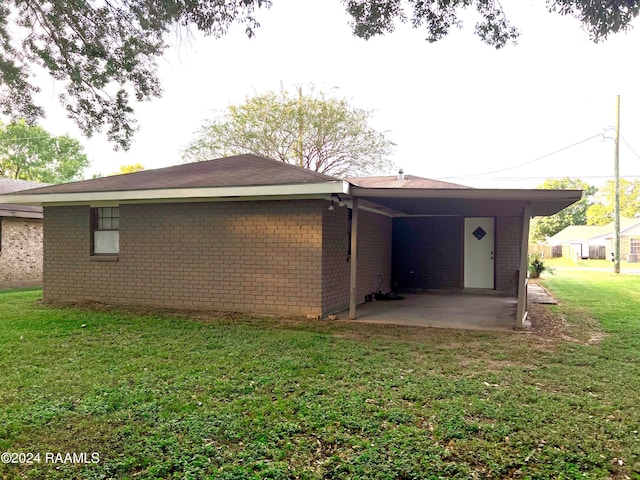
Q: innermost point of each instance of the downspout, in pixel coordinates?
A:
(521, 313)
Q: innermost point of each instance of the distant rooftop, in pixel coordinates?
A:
(9, 185)
(409, 181)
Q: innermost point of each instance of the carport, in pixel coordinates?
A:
(444, 309)
(473, 211)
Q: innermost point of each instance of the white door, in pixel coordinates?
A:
(479, 246)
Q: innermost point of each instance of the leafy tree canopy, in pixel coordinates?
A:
(320, 133)
(29, 152)
(602, 212)
(575, 214)
(135, 167)
(105, 53)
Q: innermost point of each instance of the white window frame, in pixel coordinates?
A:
(105, 230)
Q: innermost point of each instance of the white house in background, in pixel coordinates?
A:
(579, 241)
(597, 241)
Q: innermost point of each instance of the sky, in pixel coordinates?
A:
(458, 110)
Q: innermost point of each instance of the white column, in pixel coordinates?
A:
(521, 313)
(354, 261)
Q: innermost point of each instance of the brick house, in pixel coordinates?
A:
(248, 233)
(20, 239)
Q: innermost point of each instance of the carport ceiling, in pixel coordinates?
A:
(468, 202)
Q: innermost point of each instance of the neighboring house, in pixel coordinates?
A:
(629, 239)
(20, 239)
(248, 233)
(597, 241)
(579, 242)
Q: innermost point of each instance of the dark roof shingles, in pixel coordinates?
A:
(236, 171)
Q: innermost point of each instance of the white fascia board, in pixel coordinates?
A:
(171, 194)
(466, 193)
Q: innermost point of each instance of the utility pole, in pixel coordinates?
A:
(616, 203)
(300, 127)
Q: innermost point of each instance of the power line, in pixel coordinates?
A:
(531, 161)
(629, 146)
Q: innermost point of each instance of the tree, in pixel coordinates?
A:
(601, 213)
(105, 53)
(135, 167)
(327, 135)
(376, 17)
(29, 152)
(575, 214)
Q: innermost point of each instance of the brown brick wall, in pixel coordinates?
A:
(507, 253)
(21, 252)
(374, 257)
(374, 254)
(236, 256)
(280, 256)
(335, 264)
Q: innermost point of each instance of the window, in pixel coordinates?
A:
(635, 246)
(105, 234)
(0, 235)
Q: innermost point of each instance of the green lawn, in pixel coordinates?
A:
(158, 395)
(561, 262)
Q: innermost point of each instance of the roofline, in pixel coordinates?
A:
(17, 213)
(164, 194)
(466, 193)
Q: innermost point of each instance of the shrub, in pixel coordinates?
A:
(537, 266)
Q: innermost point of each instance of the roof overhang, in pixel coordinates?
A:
(468, 202)
(179, 194)
(390, 201)
(20, 211)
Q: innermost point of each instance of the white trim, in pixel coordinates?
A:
(467, 193)
(180, 194)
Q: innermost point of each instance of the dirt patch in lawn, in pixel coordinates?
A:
(554, 326)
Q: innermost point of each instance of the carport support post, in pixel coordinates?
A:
(354, 260)
(524, 268)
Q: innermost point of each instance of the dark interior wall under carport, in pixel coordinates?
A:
(428, 253)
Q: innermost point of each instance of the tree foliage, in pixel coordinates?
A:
(575, 214)
(29, 152)
(320, 133)
(602, 212)
(437, 17)
(104, 53)
(131, 168)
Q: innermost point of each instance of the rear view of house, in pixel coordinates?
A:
(248, 233)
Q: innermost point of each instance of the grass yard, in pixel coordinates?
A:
(162, 395)
(561, 262)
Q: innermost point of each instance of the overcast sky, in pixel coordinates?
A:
(458, 109)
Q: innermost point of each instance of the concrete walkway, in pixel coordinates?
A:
(538, 294)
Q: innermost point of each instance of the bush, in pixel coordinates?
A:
(537, 266)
